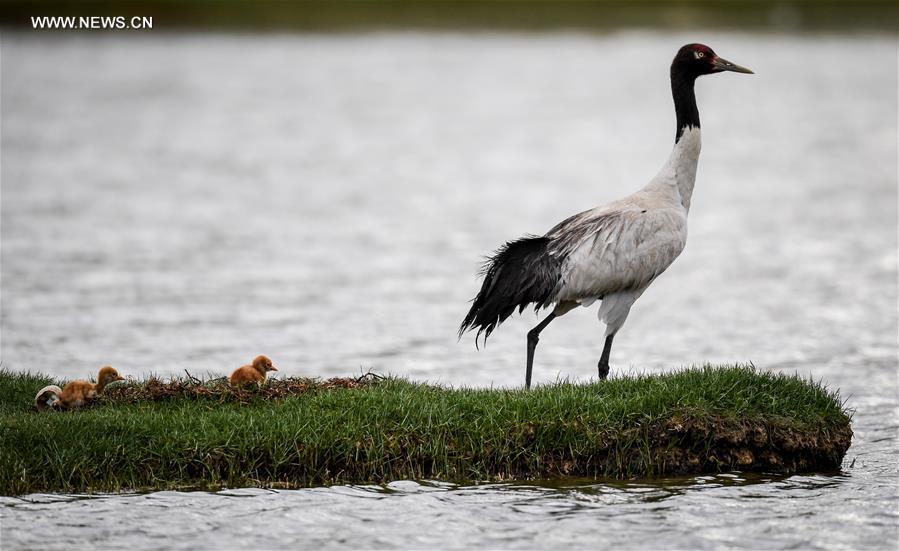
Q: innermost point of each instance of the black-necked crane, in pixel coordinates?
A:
(610, 253)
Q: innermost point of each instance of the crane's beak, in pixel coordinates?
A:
(722, 64)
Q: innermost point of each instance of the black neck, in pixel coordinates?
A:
(684, 100)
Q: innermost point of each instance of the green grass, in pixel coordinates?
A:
(695, 420)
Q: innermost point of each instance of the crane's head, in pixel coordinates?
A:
(694, 60)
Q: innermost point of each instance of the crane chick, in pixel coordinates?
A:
(254, 373)
(77, 393)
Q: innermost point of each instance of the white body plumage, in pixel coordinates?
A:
(614, 252)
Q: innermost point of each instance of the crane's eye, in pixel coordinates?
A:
(699, 55)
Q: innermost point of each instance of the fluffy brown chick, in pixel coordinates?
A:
(254, 373)
(79, 393)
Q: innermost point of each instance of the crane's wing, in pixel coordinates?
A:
(607, 250)
(591, 254)
(520, 273)
(569, 234)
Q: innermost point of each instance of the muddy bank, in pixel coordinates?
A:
(684, 444)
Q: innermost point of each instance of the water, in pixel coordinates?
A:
(750, 514)
(176, 202)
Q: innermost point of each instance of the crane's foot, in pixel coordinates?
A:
(603, 370)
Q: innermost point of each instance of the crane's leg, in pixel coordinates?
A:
(604, 359)
(533, 339)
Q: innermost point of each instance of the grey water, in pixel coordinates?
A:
(177, 201)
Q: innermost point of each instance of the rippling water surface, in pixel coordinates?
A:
(176, 201)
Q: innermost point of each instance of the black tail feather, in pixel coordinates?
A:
(520, 273)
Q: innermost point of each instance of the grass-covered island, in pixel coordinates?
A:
(300, 432)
